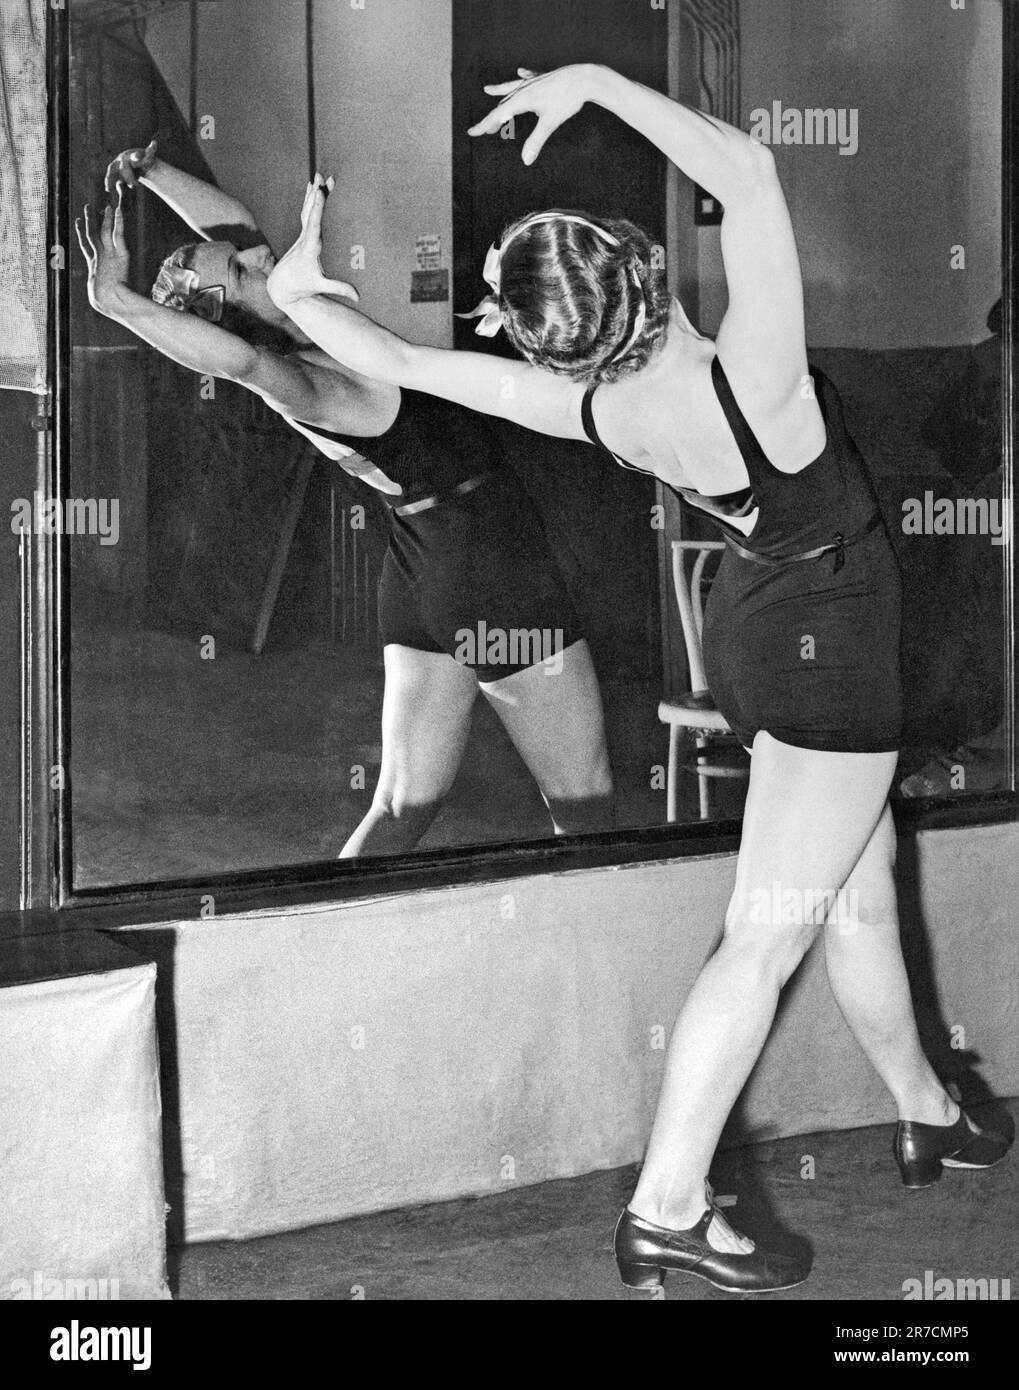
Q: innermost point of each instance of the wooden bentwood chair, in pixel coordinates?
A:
(694, 716)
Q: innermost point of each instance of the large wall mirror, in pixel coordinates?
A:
(230, 700)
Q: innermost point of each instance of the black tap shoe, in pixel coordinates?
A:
(924, 1151)
(645, 1253)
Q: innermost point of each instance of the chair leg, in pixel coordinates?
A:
(672, 785)
(705, 782)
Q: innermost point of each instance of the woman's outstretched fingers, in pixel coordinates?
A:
(118, 222)
(84, 241)
(318, 190)
(84, 226)
(523, 78)
(311, 220)
(535, 142)
(518, 99)
(118, 174)
(311, 193)
(497, 118)
(106, 229)
(299, 274)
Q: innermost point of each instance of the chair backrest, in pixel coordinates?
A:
(691, 603)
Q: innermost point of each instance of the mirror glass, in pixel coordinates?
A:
(239, 586)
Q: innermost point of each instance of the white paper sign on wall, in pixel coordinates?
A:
(429, 252)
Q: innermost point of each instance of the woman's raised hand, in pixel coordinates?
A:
(553, 97)
(299, 274)
(130, 166)
(109, 262)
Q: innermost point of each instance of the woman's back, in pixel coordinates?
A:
(719, 461)
(667, 419)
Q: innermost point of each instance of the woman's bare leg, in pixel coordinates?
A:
(868, 978)
(554, 717)
(809, 816)
(426, 720)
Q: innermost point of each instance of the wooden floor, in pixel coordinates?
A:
(840, 1192)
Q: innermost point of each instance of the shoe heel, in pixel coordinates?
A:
(640, 1276)
(920, 1172)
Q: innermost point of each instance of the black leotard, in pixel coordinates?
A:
(806, 649)
(476, 562)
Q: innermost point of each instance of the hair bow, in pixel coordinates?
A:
(488, 311)
(205, 304)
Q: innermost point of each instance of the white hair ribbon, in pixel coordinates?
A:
(190, 297)
(488, 310)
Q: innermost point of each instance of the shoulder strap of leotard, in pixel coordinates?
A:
(587, 419)
(747, 441)
(591, 430)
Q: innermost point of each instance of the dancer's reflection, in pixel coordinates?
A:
(962, 655)
(801, 636)
(470, 594)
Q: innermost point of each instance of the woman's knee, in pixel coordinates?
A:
(869, 896)
(772, 936)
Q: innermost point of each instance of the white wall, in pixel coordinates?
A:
(384, 110)
(874, 230)
(433, 1045)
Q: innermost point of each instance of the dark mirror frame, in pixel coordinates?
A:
(46, 858)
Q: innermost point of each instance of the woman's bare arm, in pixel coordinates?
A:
(713, 153)
(210, 212)
(492, 385)
(498, 386)
(291, 385)
(762, 338)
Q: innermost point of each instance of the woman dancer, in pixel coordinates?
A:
(801, 638)
(467, 561)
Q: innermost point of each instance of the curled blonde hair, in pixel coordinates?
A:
(571, 298)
